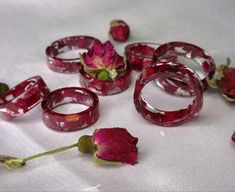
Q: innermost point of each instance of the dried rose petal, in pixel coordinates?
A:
(119, 30)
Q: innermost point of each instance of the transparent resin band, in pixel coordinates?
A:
(186, 50)
(106, 87)
(139, 55)
(168, 70)
(23, 97)
(64, 45)
(75, 121)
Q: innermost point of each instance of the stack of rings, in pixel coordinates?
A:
(159, 63)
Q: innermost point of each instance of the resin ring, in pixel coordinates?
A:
(23, 97)
(64, 45)
(139, 55)
(106, 87)
(186, 50)
(168, 70)
(75, 121)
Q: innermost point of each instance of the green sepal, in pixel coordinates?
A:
(12, 162)
(86, 145)
(113, 73)
(104, 162)
(219, 74)
(3, 88)
(103, 75)
(114, 23)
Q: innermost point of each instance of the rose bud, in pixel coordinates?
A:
(102, 61)
(227, 83)
(119, 30)
(224, 79)
(110, 146)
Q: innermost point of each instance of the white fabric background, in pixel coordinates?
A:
(197, 156)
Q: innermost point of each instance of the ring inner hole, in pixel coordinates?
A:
(157, 98)
(70, 52)
(74, 103)
(190, 63)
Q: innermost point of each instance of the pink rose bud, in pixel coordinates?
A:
(103, 61)
(224, 79)
(119, 30)
(110, 146)
(227, 83)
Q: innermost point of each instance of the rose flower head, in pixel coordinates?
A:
(119, 30)
(227, 83)
(102, 61)
(224, 79)
(110, 146)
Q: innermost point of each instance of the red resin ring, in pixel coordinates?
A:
(23, 97)
(186, 50)
(139, 55)
(64, 45)
(106, 87)
(168, 70)
(75, 121)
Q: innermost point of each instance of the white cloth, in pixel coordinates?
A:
(197, 156)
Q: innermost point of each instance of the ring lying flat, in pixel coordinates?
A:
(75, 121)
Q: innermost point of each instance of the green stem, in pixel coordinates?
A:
(59, 150)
